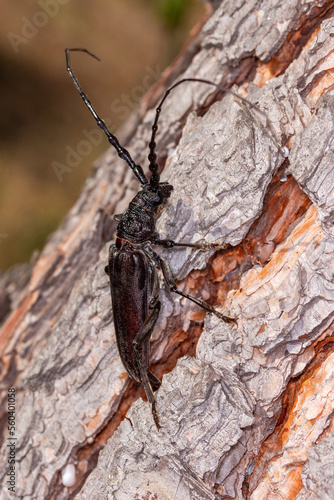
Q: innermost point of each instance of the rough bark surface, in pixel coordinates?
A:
(246, 409)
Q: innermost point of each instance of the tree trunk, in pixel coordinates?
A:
(246, 409)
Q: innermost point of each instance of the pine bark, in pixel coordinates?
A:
(246, 409)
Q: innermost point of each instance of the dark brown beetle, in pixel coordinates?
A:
(133, 264)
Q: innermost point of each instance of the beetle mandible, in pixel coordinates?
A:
(133, 264)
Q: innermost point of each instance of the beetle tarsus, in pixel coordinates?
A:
(227, 319)
(155, 416)
(196, 246)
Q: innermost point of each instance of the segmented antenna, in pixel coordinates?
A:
(152, 157)
(153, 166)
(122, 152)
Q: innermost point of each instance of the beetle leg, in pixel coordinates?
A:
(142, 335)
(170, 280)
(198, 246)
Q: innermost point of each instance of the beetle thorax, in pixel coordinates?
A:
(137, 224)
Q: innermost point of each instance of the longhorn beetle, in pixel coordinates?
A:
(132, 266)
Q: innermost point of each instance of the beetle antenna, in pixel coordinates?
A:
(122, 152)
(153, 166)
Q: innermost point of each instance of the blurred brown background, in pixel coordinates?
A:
(42, 118)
